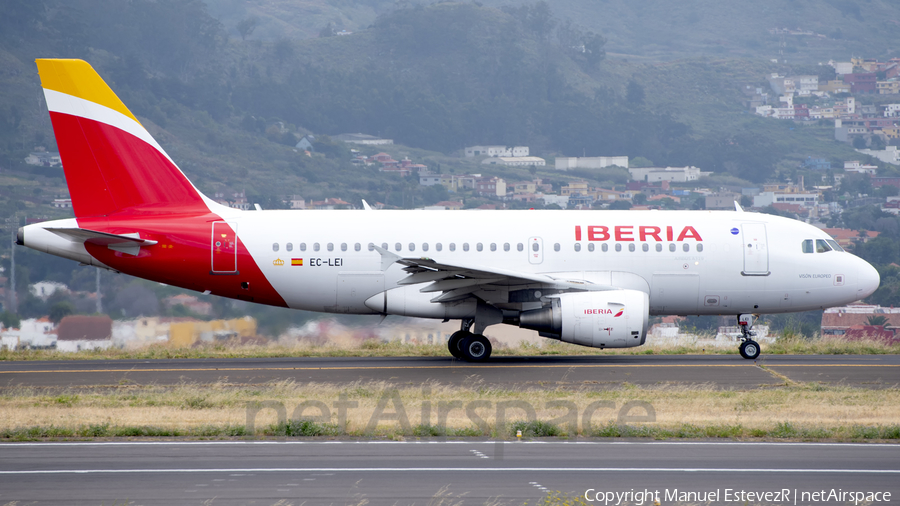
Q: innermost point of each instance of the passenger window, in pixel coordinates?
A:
(591, 247)
(465, 246)
(275, 247)
(330, 246)
(556, 247)
(645, 247)
(535, 247)
(289, 247)
(618, 247)
(699, 247)
(384, 246)
(658, 247)
(834, 245)
(398, 246)
(424, 246)
(808, 246)
(605, 247)
(520, 247)
(685, 247)
(822, 246)
(315, 246)
(506, 246)
(577, 246)
(343, 246)
(438, 246)
(631, 247)
(493, 246)
(452, 246)
(672, 246)
(412, 246)
(479, 247)
(302, 246)
(357, 247)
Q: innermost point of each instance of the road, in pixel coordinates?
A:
(462, 472)
(722, 371)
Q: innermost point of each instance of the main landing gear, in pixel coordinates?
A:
(468, 346)
(749, 347)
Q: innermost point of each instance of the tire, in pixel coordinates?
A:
(453, 344)
(750, 349)
(475, 348)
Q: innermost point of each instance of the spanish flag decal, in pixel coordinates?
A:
(296, 261)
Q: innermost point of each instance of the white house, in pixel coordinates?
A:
(674, 174)
(44, 289)
(364, 139)
(590, 162)
(33, 333)
(560, 200)
(768, 198)
(890, 154)
(496, 151)
(515, 161)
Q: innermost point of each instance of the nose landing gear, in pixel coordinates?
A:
(749, 348)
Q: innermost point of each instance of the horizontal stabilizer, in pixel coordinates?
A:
(126, 243)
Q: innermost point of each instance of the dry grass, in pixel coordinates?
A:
(788, 411)
(793, 344)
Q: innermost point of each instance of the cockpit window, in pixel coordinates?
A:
(822, 246)
(834, 245)
(808, 246)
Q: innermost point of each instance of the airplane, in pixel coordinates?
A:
(591, 278)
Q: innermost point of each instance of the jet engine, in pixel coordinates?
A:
(609, 319)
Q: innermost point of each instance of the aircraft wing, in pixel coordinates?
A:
(126, 243)
(459, 280)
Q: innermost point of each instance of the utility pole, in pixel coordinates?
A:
(99, 302)
(13, 300)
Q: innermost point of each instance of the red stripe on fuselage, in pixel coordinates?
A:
(110, 170)
(182, 256)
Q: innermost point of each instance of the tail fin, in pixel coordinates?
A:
(111, 162)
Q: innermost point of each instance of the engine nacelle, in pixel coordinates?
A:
(611, 319)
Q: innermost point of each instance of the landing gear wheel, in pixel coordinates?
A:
(750, 349)
(454, 343)
(475, 348)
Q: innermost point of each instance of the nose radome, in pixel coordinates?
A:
(868, 279)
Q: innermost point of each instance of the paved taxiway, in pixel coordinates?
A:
(474, 472)
(722, 371)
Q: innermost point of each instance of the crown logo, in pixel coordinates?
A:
(278, 262)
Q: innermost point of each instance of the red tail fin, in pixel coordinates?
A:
(111, 162)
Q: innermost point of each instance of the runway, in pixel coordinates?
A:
(461, 472)
(719, 371)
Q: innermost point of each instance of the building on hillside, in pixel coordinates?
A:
(429, 178)
(765, 199)
(888, 87)
(722, 200)
(559, 200)
(446, 205)
(330, 203)
(83, 332)
(816, 163)
(496, 151)
(364, 139)
(33, 333)
(847, 237)
(296, 202)
(44, 289)
(590, 162)
(889, 154)
(859, 168)
(862, 82)
(306, 143)
(856, 321)
(44, 159)
(515, 161)
(491, 187)
(673, 174)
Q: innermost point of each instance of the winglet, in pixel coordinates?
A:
(366, 205)
(737, 207)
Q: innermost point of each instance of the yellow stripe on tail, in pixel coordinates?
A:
(79, 79)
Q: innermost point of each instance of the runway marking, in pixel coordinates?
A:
(453, 469)
(893, 446)
(364, 368)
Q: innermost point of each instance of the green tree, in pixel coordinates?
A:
(877, 320)
(60, 310)
(10, 320)
(246, 26)
(634, 93)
